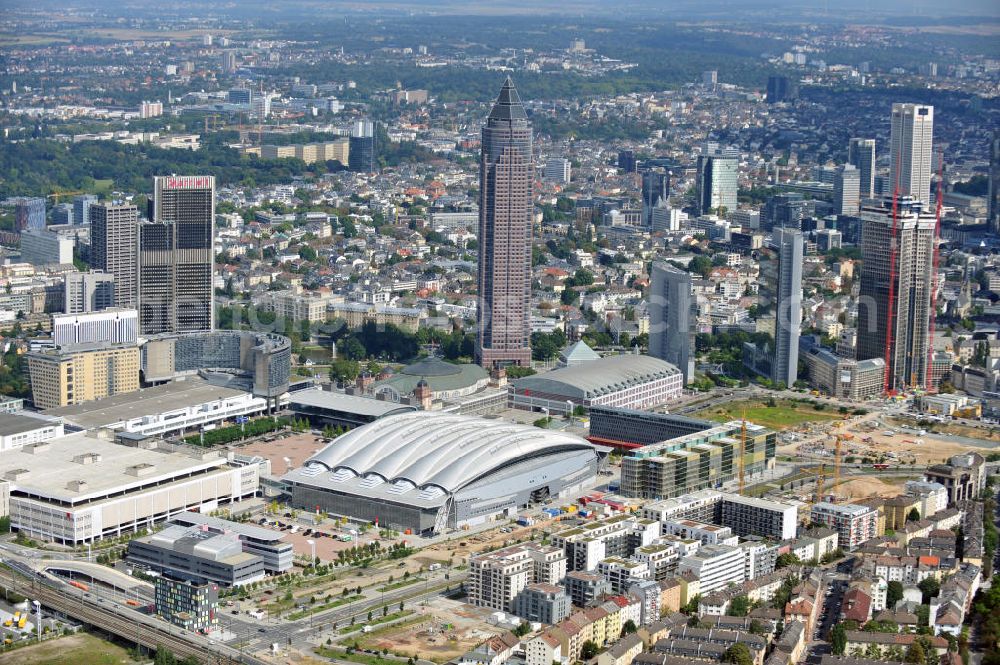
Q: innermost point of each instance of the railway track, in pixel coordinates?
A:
(126, 623)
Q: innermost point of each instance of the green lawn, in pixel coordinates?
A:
(398, 584)
(322, 607)
(783, 415)
(376, 620)
(363, 658)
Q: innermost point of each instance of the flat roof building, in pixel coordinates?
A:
(78, 488)
(197, 554)
(853, 523)
(323, 408)
(747, 515)
(164, 409)
(267, 544)
(17, 430)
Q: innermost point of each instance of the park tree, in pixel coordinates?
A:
(913, 515)
(739, 606)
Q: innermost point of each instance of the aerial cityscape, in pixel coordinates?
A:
(424, 332)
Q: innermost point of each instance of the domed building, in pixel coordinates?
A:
(447, 381)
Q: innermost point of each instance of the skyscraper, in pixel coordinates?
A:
(626, 161)
(81, 209)
(910, 147)
(176, 257)
(994, 183)
(788, 306)
(861, 154)
(846, 190)
(671, 318)
(895, 300)
(655, 188)
(361, 152)
(717, 180)
(781, 89)
(114, 245)
(29, 213)
(506, 173)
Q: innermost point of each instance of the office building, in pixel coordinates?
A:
(627, 161)
(65, 376)
(196, 554)
(81, 209)
(259, 363)
(910, 151)
(267, 544)
(40, 247)
(114, 244)
(176, 255)
(497, 578)
(750, 516)
(784, 210)
(78, 489)
(629, 428)
(861, 155)
(788, 306)
(717, 182)
(672, 317)
(114, 326)
(842, 377)
(853, 523)
(29, 213)
(242, 96)
(361, 147)
(895, 298)
(695, 461)
(827, 239)
(542, 603)
(190, 605)
(847, 190)
(558, 170)
(781, 89)
(710, 79)
(655, 188)
(506, 180)
(88, 292)
(964, 476)
(994, 184)
(716, 566)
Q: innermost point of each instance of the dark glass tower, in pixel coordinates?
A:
(176, 257)
(506, 179)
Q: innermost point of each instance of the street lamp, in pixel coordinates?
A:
(312, 548)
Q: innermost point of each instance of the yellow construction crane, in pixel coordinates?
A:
(836, 463)
(55, 195)
(820, 478)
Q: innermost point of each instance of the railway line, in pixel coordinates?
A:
(125, 622)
